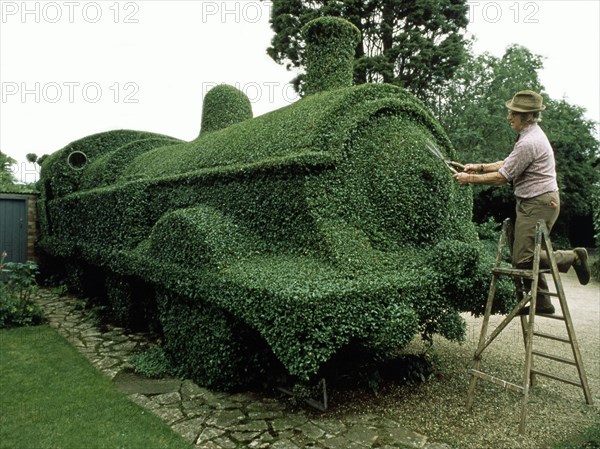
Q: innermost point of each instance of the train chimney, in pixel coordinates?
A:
(330, 47)
(223, 106)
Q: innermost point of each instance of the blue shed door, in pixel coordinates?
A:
(13, 229)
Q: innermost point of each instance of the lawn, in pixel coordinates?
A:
(51, 397)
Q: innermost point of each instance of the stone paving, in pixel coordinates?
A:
(216, 420)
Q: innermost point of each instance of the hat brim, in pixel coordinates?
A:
(509, 105)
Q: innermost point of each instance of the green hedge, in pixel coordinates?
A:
(323, 224)
(331, 43)
(58, 178)
(223, 106)
(106, 169)
(209, 344)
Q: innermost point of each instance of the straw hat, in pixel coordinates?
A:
(526, 101)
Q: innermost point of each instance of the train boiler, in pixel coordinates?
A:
(277, 240)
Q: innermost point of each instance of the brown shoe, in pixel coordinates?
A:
(546, 309)
(544, 306)
(582, 267)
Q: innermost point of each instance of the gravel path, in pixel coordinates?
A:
(555, 409)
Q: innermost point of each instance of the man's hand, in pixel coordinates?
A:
(473, 168)
(463, 178)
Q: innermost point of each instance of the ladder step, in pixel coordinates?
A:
(552, 317)
(503, 383)
(551, 337)
(513, 272)
(548, 315)
(556, 358)
(547, 293)
(517, 272)
(555, 377)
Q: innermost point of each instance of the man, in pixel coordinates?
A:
(530, 168)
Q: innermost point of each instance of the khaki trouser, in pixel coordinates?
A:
(544, 207)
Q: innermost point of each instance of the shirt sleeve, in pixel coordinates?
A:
(517, 161)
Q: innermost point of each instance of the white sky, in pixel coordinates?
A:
(69, 69)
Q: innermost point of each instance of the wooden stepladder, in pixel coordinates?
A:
(542, 243)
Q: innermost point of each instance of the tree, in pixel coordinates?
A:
(577, 159)
(31, 157)
(6, 176)
(471, 107)
(415, 44)
(8, 183)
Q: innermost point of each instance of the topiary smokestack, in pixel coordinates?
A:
(223, 106)
(330, 46)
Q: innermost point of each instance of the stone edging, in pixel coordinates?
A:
(215, 420)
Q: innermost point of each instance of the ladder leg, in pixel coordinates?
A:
(482, 338)
(486, 317)
(530, 327)
(524, 324)
(568, 322)
(579, 362)
(524, 409)
(472, 387)
(574, 346)
(528, 363)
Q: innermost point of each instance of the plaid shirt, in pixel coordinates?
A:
(530, 166)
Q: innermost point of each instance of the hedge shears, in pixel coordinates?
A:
(452, 165)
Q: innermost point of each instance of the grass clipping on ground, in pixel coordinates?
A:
(53, 398)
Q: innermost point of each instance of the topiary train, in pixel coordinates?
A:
(324, 224)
